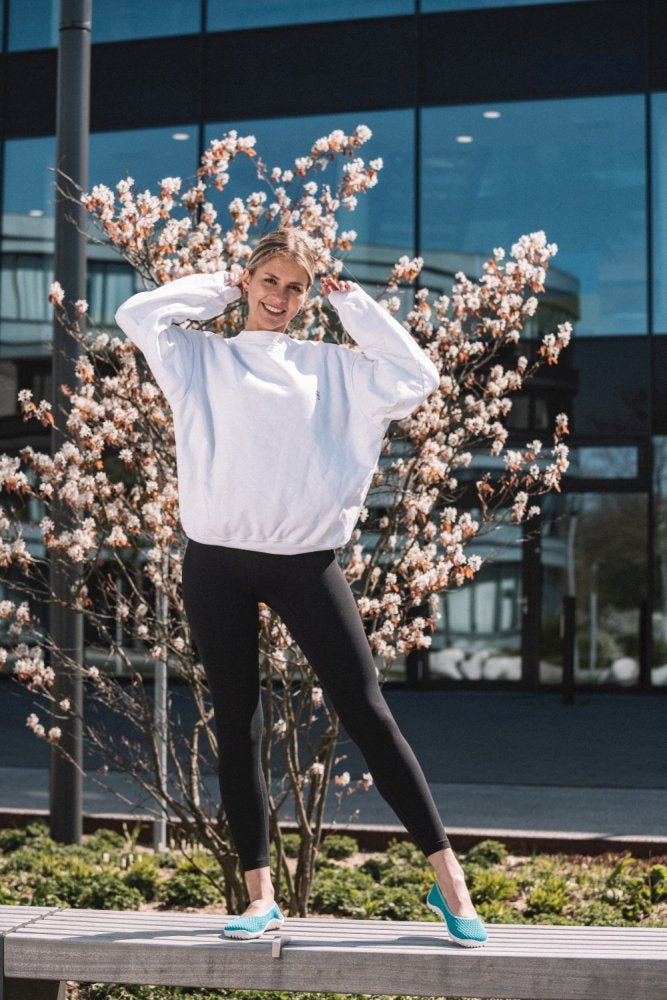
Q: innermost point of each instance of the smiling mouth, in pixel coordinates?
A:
(273, 312)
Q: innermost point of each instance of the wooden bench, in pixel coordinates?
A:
(44, 947)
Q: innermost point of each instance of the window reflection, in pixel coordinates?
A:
(147, 155)
(659, 672)
(659, 157)
(612, 462)
(28, 182)
(433, 5)
(383, 217)
(34, 25)
(26, 271)
(574, 168)
(594, 549)
(225, 16)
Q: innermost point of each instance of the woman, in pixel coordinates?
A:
(277, 440)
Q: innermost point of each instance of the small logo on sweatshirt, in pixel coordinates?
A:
(317, 393)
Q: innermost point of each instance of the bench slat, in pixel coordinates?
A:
(10, 916)
(539, 962)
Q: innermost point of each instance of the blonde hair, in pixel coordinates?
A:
(292, 243)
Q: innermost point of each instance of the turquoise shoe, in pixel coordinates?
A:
(254, 926)
(468, 931)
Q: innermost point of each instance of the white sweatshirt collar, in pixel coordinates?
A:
(263, 336)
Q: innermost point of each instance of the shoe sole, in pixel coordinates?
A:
(466, 942)
(271, 925)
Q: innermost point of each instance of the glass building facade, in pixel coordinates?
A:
(493, 119)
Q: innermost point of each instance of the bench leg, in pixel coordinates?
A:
(33, 989)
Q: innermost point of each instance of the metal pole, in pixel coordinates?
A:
(66, 627)
(593, 624)
(160, 709)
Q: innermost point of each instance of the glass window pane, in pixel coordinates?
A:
(28, 181)
(612, 386)
(34, 25)
(659, 671)
(225, 16)
(432, 5)
(594, 548)
(27, 246)
(147, 155)
(659, 158)
(383, 218)
(28, 201)
(617, 462)
(574, 168)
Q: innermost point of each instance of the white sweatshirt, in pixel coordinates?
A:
(277, 439)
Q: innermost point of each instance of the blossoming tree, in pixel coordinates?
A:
(117, 473)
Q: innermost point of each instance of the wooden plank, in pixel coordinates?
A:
(548, 962)
(11, 919)
(12, 915)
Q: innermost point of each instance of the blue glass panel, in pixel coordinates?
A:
(34, 25)
(147, 155)
(222, 15)
(659, 165)
(383, 218)
(617, 462)
(432, 5)
(574, 168)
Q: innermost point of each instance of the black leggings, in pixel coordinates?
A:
(309, 591)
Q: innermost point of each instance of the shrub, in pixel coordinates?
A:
(339, 846)
(657, 880)
(14, 837)
(143, 875)
(598, 913)
(549, 895)
(486, 853)
(394, 903)
(291, 844)
(486, 885)
(341, 891)
(186, 888)
(629, 889)
(108, 891)
(405, 852)
(377, 868)
(93, 890)
(105, 841)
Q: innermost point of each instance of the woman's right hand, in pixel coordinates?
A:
(232, 282)
(330, 283)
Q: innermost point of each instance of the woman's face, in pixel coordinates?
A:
(276, 292)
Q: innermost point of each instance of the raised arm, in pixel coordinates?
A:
(392, 375)
(148, 319)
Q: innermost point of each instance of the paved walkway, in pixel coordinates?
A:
(496, 761)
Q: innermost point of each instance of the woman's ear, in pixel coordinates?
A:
(245, 278)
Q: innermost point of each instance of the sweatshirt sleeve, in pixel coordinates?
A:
(148, 319)
(391, 375)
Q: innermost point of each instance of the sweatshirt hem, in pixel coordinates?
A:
(269, 547)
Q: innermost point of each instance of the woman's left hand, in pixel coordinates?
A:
(330, 283)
